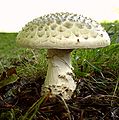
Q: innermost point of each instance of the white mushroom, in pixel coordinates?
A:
(60, 33)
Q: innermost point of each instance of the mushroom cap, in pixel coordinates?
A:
(63, 31)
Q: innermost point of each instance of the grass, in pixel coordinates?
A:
(99, 69)
(26, 60)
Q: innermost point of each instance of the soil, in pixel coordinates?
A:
(92, 99)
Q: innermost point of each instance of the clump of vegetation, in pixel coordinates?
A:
(22, 72)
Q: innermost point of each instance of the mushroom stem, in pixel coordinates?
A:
(59, 79)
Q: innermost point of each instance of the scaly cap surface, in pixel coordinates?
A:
(63, 31)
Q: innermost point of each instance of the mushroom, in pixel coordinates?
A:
(60, 33)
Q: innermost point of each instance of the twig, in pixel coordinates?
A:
(66, 106)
